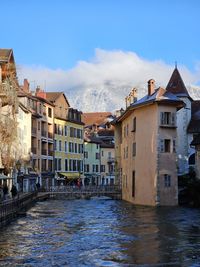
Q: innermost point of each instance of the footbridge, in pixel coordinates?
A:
(73, 192)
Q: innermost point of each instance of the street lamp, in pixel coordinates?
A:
(18, 167)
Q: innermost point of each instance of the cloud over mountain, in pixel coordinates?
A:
(102, 83)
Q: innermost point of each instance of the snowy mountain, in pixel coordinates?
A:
(109, 97)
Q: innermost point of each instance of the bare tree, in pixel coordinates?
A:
(8, 121)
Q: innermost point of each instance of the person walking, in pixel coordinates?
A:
(13, 191)
(5, 191)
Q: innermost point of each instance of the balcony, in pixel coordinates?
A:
(111, 160)
(34, 150)
(50, 135)
(44, 133)
(50, 153)
(168, 125)
(34, 130)
(44, 152)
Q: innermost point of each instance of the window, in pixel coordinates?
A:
(167, 118)
(124, 131)
(75, 147)
(70, 146)
(55, 144)
(65, 130)
(165, 145)
(134, 125)
(75, 132)
(49, 112)
(60, 129)
(86, 155)
(86, 167)
(109, 155)
(97, 146)
(93, 167)
(78, 165)
(59, 164)
(127, 152)
(134, 149)
(56, 164)
(80, 148)
(127, 130)
(65, 146)
(60, 145)
(97, 156)
(102, 168)
(74, 165)
(133, 183)
(174, 146)
(70, 164)
(71, 132)
(102, 153)
(97, 168)
(66, 165)
(167, 180)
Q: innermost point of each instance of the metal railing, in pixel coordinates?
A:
(10, 207)
(83, 189)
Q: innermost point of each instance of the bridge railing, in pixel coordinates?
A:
(82, 189)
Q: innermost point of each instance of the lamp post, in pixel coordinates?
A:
(18, 166)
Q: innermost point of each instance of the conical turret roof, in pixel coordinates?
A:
(176, 85)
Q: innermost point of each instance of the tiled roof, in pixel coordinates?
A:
(53, 96)
(92, 139)
(106, 132)
(176, 85)
(159, 96)
(107, 145)
(5, 54)
(95, 117)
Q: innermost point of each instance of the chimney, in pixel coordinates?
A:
(151, 87)
(126, 101)
(26, 86)
(40, 93)
(133, 95)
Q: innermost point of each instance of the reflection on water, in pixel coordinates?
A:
(102, 233)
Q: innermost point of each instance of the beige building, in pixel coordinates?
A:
(145, 138)
(42, 126)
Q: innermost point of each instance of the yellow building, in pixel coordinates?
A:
(68, 140)
(146, 149)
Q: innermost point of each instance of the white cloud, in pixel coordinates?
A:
(103, 82)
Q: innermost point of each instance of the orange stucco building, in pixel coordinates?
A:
(145, 143)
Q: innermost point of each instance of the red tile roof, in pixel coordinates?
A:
(5, 54)
(53, 96)
(95, 117)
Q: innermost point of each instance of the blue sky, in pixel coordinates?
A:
(97, 50)
(58, 34)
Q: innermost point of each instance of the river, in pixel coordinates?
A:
(101, 232)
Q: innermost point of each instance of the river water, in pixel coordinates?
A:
(101, 232)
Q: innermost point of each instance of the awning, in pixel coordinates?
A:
(70, 175)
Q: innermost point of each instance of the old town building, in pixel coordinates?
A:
(146, 141)
(68, 140)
